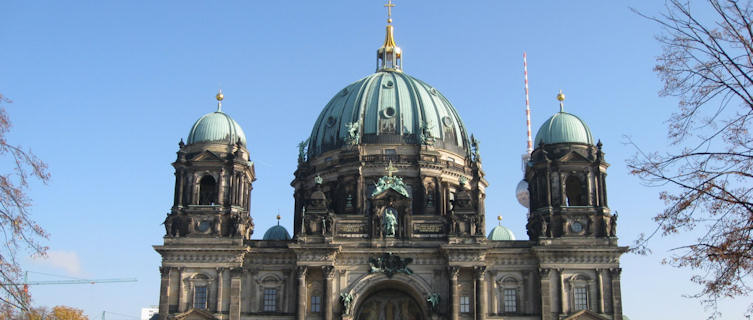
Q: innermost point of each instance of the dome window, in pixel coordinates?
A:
(433, 91)
(388, 112)
(447, 121)
(207, 191)
(331, 121)
(389, 84)
(344, 92)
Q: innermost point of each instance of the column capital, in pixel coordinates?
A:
(328, 271)
(479, 272)
(300, 271)
(454, 271)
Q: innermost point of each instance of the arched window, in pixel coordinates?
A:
(509, 290)
(207, 190)
(200, 283)
(574, 191)
(580, 286)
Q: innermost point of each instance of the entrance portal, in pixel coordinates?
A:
(389, 304)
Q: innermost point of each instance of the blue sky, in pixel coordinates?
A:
(104, 90)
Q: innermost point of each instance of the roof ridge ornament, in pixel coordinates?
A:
(389, 55)
(561, 99)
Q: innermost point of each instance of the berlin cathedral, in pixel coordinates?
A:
(389, 219)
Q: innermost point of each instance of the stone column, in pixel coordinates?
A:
(235, 293)
(496, 294)
(221, 288)
(301, 275)
(604, 292)
(454, 293)
(546, 295)
(480, 293)
(173, 291)
(163, 289)
(221, 187)
(564, 297)
(329, 290)
(616, 294)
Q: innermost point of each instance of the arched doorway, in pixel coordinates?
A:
(389, 304)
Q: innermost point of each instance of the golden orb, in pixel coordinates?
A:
(220, 96)
(389, 20)
(499, 218)
(278, 217)
(561, 96)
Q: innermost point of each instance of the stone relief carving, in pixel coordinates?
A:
(389, 264)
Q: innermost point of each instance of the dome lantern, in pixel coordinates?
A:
(389, 55)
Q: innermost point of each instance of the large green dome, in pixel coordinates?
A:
(216, 127)
(564, 127)
(389, 107)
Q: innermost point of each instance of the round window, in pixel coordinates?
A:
(388, 84)
(576, 227)
(433, 91)
(447, 121)
(203, 226)
(331, 121)
(388, 112)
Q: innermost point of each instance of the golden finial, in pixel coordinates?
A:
(499, 218)
(278, 218)
(389, 6)
(219, 97)
(561, 98)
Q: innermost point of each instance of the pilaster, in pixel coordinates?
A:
(301, 310)
(454, 272)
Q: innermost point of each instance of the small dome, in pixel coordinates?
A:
(277, 232)
(564, 127)
(388, 107)
(501, 233)
(216, 127)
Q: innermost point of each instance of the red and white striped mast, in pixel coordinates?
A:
(528, 105)
(521, 191)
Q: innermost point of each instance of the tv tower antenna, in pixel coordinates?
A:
(521, 191)
(528, 104)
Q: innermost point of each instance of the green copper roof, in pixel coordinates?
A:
(216, 127)
(388, 107)
(501, 233)
(277, 232)
(563, 127)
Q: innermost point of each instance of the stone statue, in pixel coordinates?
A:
(346, 299)
(168, 224)
(424, 135)
(389, 222)
(302, 151)
(433, 300)
(475, 148)
(352, 138)
(613, 225)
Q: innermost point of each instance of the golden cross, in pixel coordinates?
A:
(389, 6)
(390, 169)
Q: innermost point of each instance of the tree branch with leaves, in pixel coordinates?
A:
(18, 230)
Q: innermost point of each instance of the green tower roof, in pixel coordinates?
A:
(501, 233)
(277, 232)
(564, 127)
(216, 127)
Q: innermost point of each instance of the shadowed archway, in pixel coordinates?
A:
(389, 304)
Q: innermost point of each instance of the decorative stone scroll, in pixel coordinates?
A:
(389, 264)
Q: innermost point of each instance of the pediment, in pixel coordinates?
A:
(389, 193)
(206, 156)
(195, 314)
(585, 315)
(573, 156)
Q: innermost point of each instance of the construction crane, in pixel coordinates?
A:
(28, 283)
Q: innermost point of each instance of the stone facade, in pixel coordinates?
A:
(389, 221)
(341, 258)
